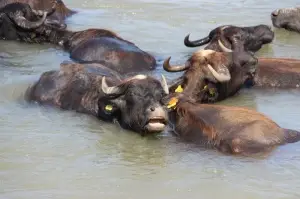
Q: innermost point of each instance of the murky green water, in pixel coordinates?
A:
(48, 153)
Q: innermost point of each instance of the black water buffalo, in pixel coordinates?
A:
(60, 14)
(101, 46)
(19, 22)
(91, 45)
(233, 130)
(93, 89)
(236, 38)
(287, 18)
(277, 72)
(211, 76)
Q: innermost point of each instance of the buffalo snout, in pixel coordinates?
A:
(156, 119)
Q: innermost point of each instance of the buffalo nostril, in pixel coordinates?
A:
(152, 108)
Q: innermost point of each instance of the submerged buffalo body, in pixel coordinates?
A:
(287, 18)
(60, 14)
(19, 21)
(233, 130)
(212, 76)
(96, 90)
(277, 72)
(102, 46)
(236, 38)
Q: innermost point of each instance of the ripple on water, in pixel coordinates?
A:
(47, 152)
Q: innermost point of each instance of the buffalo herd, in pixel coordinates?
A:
(107, 78)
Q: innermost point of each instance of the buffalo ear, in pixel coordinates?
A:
(107, 110)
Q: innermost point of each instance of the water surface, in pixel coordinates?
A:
(49, 153)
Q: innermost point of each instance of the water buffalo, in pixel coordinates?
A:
(237, 38)
(135, 103)
(277, 72)
(60, 14)
(212, 76)
(91, 45)
(287, 18)
(19, 22)
(101, 46)
(233, 130)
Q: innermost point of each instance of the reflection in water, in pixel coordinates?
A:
(47, 152)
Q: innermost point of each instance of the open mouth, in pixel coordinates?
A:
(156, 124)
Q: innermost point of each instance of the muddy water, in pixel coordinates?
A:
(48, 153)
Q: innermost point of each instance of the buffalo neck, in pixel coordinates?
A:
(193, 85)
(61, 37)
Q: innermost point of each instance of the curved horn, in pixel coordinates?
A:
(196, 43)
(136, 77)
(221, 77)
(170, 68)
(24, 23)
(224, 49)
(110, 90)
(164, 84)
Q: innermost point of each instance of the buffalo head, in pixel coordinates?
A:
(18, 20)
(236, 38)
(212, 76)
(136, 103)
(287, 18)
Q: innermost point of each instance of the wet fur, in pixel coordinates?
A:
(102, 46)
(277, 72)
(61, 13)
(248, 38)
(233, 130)
(287, 18)
(77, 87)
(195, 77)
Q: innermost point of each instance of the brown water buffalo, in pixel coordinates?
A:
(135, 103)
(277, 72)
(236, 38)
(212, 76)
(233, 130)
(287, 18)
(19, 22)
(60, 14)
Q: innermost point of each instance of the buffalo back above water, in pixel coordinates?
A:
(119, 55)
(277, 72)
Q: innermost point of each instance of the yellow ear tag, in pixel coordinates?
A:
(108, 107)
(179, 89)
(173, 101)
(211, 91)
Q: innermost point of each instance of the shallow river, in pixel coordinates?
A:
(47, 153)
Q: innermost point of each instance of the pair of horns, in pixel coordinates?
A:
(224, 76)
(118, 90)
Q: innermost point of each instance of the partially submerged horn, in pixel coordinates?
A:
(110, 90)
(177, 68)
(24, 23)
(221, 77)
(196, 43)
(164, 84)
(224, 49)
